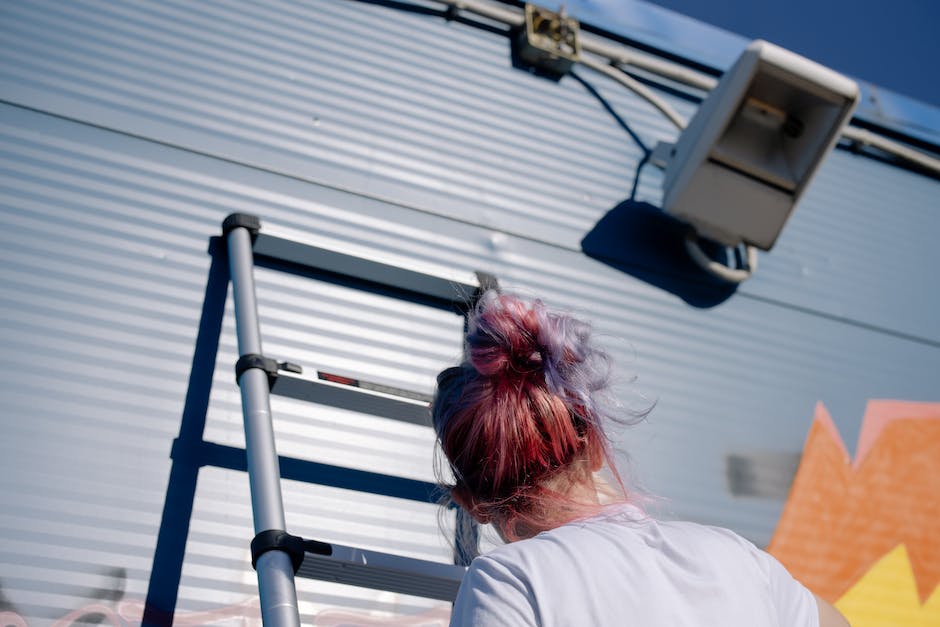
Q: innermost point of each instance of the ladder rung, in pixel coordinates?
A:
(353, 398)
(384, 571)
(309, 256)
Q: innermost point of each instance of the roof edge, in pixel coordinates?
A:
(713, 50)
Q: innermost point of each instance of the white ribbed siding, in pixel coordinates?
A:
(128, 131)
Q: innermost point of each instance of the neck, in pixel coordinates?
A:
(569, 495)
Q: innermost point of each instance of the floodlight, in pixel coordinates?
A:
(741, 165)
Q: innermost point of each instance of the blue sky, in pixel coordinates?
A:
(895, 45)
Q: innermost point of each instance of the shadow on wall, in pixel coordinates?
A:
(639, 239)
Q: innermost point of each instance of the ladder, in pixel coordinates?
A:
(278, 556)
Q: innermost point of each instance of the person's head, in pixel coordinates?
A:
(521, 419)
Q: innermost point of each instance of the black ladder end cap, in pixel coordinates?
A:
(241, 220)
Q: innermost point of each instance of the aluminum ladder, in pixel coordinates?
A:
(277, 555)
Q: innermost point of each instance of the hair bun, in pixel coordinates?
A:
(503, 338)
(513, 338)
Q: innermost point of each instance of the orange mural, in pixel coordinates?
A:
(848, 525)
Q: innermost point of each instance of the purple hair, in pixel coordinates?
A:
(524, 409)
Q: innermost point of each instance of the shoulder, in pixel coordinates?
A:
(709, 540)
(494, 591)
(793, 603)
(515, 583)
(523, 559)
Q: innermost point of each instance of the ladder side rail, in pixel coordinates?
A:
(278, 595)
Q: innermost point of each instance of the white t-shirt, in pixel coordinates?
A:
(622, 568)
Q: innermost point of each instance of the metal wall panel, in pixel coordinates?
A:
(860, 248)
(130, 131)
(104, 266)
(431, 115)
(104, 271)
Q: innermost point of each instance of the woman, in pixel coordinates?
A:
(522, 424)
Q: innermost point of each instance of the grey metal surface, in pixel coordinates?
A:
(432, 287)
(278, 596)
(433, 154)
(384, 571)
(761, 474)
(408, 118)
(104, 268)
(253, 383)
(354, 399)
(860, 248)
(431, 115)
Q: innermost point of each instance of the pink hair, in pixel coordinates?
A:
(521, 412)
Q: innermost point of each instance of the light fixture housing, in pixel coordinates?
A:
(739, 168)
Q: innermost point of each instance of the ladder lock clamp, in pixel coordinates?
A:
(269, 365)
(294, 546)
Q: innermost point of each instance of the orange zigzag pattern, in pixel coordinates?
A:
(841, 518)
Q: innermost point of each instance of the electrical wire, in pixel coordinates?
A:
(636, 87)
(620, 55)
(867, 138)
(718, 270)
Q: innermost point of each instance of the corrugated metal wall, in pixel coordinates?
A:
(129, 130)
